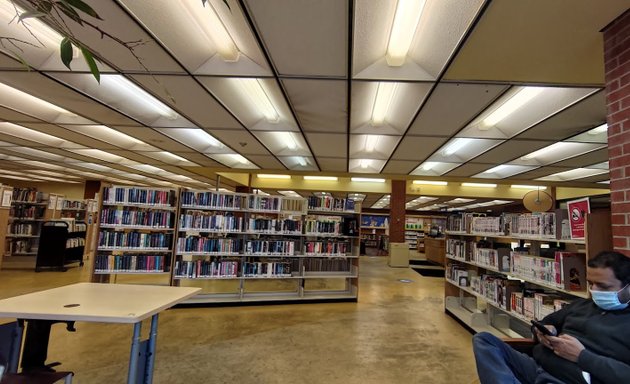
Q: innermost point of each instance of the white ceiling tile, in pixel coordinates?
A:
(328, 144)
(304, 37)
(383, 146)
(266, 162)
(241, 141)
(576, 119)
(597, 156)
(320, 105)
(199, 54)
(451, 106)
(510, 150)
(231, 93)
(418, 148)
(467, 170)
(467, 149)
(153, 137)
(401, 167)
(404, 104)
(284, 143)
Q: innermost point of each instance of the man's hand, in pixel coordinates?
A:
(565, 346)
(542, 338)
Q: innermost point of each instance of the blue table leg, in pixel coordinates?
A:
(148, 376)
(135, 353)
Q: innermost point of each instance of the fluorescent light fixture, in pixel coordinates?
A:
(34, 25)
(239, 158)
(127, 89)
(259, 99)
(548, 149)
(382, 101)
(406, 21)
(289, 193)
(212, 26)
(98, 154)
(107, 134)
(193, 136)
(147, 168)
(365, 163)
(604, 182)
(94, 167)
(597, 130)
(30, 134)
(321, 178)
(459, 200)
(302, 162)
(272, 176)
(17, 177)
(515, 102)
(479, 185)
(356, 196)
(50, 173)
(173, 156)
(427, 166)
(535, 187)
(429, 182)
(367, 180)
(288, 139)
(496, 169)
(23, 98)
(260, 192)
(370, 142)
(455, 145)
(574, 174)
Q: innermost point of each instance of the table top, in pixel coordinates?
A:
(96, 302)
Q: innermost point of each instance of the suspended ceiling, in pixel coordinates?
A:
(320, 64)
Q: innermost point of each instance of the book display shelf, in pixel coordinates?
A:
(504, 271)
(26, 215)
(246, 248)
(136, 231)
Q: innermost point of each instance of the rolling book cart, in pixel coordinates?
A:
(61, 242)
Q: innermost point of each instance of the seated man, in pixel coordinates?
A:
(593, 341)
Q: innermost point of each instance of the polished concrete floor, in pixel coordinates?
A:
(396, 333)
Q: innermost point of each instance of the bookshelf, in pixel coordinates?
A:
(499, 275)
(6, 195)
(26, 215)
(135, 234)
(252, 248)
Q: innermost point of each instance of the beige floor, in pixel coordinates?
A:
(396, 333)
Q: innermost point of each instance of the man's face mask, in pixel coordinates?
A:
(608, 300)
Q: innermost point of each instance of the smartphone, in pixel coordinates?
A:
(541, 327)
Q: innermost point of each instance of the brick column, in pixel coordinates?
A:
(617, 66)
(397, 202)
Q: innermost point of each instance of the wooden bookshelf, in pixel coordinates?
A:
(132, 221)
(477, 271)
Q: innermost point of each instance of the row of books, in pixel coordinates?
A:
(215, 267)
(139, 217)
(541, 224)
(487, 224)
(131, 263)
(75, 242)
(209, 245)
(274, 225)
(27, 212)
(134, 195)
(211, 221)
(327, 265)
(566, 270)
(265, 247)
(212, 200)
(73, 204)
(537, 224)
(20, 246)
(109, 239)
(323, 224)
(338, 248)
(263, 203)
(329, 203)
(23, 229)
(27, 194)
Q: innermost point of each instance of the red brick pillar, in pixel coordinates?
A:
(617, 66)
(397, 202)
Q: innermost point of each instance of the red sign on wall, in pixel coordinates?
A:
(577, 216)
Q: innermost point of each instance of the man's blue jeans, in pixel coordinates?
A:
(498, 363)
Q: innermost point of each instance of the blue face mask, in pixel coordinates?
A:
(608, 300)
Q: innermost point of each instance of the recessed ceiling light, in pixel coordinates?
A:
(367, 180)
(479, 185)
(512, 104)
(321, 178)
(429, 182)
(406, 20)
(535, 187)
(272, 176)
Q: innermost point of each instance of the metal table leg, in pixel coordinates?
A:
(148, 375)
(16, 346)
(135, 353)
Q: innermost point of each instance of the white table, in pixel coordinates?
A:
(103, 303)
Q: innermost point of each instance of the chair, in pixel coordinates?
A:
(10, 343)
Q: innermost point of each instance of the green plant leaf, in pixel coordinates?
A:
(89, 59)
(69, 11)
(44, 6)
(83, 7)
(30, 14)
(65, 50)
